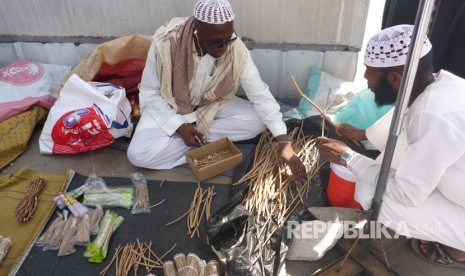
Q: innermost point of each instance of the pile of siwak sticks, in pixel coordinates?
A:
(200, 207)
(272, 195)
(132, 255)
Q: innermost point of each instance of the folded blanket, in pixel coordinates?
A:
(16, 131)
(13, 188)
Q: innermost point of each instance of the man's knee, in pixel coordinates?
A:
(137, 155)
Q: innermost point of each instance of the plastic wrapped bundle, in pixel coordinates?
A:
(5, 244)
(97, 250)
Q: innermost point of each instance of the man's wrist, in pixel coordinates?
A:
(179, 127)
(346, 156)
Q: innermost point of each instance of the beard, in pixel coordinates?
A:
(384, 94)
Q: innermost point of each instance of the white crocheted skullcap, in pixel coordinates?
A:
(390, 47)
(213, 11)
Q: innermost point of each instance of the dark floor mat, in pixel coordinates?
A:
(145, 227)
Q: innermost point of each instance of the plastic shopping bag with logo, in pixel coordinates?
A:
(86, 116)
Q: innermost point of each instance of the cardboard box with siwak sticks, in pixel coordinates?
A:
(213, 159)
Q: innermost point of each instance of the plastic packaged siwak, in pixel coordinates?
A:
(141, 202)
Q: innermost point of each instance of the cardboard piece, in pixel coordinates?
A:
(223, 162)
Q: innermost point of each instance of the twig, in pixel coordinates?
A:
(155, 205)
(183, 215)
(384, 254)
(115, 255)
(311, 102)
(167, 252)
(348, 254)
(326, 111)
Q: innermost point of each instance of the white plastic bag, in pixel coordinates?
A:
(85, 117)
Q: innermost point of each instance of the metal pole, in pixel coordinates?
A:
(422, 20)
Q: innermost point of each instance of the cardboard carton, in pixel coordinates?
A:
(213, 159)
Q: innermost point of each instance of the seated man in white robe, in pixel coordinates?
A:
(424, 196)
(187, 92)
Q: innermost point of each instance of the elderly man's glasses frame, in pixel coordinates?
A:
(219, 43)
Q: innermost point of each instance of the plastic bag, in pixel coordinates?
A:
(141, 199)
(362, 111)
(53, 243)
(110, 197)
(119, 61)
(96, 251)
(45, 237)
(95, 218)
(305, 107)
(83, 231)
(326, 91)
(98, 194)
(126, 73)
(87, 116)
(5, 244)
(67, 245)
(232, 232)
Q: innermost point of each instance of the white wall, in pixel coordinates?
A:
(373, 26)
(287, 36)
(327, 22)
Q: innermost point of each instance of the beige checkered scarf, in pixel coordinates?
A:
(176, 69)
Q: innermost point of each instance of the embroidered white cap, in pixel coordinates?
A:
(390, 47)
(213, 11)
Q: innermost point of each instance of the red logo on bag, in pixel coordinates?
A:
(81, 130)
(22, 72)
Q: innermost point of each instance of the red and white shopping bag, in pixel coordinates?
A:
(86, 116)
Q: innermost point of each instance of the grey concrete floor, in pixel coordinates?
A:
(113, 162)
(106, 161)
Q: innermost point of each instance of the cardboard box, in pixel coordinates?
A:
(222, 155)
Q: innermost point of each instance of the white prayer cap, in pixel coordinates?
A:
(213, 11)
(390, 47)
